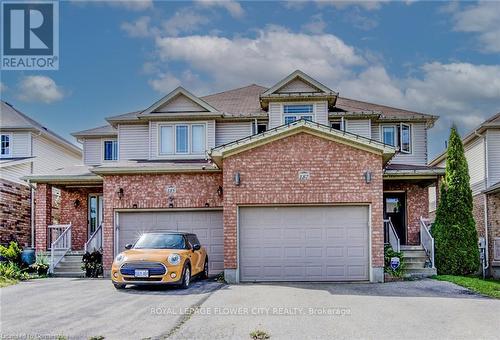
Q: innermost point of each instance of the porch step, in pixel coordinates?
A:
(70, 265)
(419, 273)
(72, 258)
(69, 274)
(415, 265)
(414, 253)
(407, 247)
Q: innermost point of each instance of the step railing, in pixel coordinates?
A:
(391, 235)
(426, 239)
(95, 240)
(60, 247)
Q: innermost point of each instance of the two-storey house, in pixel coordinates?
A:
(27, 147)
(288, 183)
(482, 150)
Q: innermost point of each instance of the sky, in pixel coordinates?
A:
(441, 58)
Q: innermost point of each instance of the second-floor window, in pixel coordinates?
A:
(182, 139)
(398, 135)
(296, 112)
(6, 146)
(110, 150)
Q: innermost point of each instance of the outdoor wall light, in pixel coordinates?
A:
(120, 193)
(170, 205)
(207, 205)
(368, 176)
(134, 206)
(76, 203)
(237, 179)
(220, 191)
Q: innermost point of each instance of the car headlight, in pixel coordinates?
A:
(120, 258)
(174, 259)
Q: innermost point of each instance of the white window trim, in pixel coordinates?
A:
(103, 141)
(10, 135)
(401, 138)
(190, 133)
(283, 114)
(394, 127)
(398, 138)
(342, 123)
(176, 154)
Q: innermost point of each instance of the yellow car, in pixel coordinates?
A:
(160, 258)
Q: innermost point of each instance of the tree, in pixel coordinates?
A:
(454, 230)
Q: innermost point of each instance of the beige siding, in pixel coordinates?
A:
(275, 110)
(50, 156)
(133, 141)
(180, 103)
(21, 144)
(475, 154)
(418, 155)
(230, 131)
(296, 86)
(15, 172)
(493, 142)
(321, 112)
(92, 151)
(360, 127)
(375, 131)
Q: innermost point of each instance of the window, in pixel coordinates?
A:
(398, 135)
(6, 146)
(296, 112)
(337, 124)
(182, 139)
(110, 150)
(259, 128)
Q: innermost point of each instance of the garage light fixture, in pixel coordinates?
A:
(76, 203)
(120, 193)
(237, 179)
(220, 191)
(368, 176)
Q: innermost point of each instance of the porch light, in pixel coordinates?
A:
(220, 191)
(237, 179)
(368, 176)
(120, 193)
(76, 203)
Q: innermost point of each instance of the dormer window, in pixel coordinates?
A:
(6, 146)
(296, 112)
(398, 135)
(110, 150)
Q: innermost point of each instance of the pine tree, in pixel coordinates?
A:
(454, 230)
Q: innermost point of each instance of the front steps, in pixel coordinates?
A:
(70, 265)
(415, 259)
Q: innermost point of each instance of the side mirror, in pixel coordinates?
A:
(196, 247)
(128, 246)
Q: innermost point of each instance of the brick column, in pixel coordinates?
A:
(43, 214)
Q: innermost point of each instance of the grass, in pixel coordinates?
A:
(488, 287)
(4, 282)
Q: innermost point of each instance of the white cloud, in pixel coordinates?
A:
(3, 87)
(233, 7)
(133, 5)
(184, 20)
(139, 28)
(317, 25)
(39, 89)
(482, 19)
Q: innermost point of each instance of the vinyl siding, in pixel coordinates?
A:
(493, 144)
(92, 151)
(21, 144)
(274, 115)
(231, 131)
(296, 86)
(15, 172)
(475, 155)
(418, 155)
(180, 103)
(375, 131)
(50, 156)
(321, 112)
(360, 127)
(153, 131)
(133, 142)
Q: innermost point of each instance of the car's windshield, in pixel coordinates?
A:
(160, 241)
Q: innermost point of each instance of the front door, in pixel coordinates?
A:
(95, 213)
(395, 209)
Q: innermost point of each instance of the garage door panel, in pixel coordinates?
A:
(207, 225)
(328, 243)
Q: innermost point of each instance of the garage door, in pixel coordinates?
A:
(325, 243)
(207, 225)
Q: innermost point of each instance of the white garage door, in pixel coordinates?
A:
(207, 225)
(324, 243)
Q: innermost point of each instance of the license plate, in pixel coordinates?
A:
(141, 273)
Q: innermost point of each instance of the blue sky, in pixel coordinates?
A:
(441, 58)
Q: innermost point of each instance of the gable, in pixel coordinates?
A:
(298, 85)
(298, 82)
(180, 103)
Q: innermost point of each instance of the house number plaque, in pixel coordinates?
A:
(171, 189)
(304, 176)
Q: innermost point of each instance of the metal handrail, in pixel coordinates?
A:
(95, 240)
(392, 235)
(426, 239)
(62, 244)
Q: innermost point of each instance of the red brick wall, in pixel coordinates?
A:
(43, 214)
(78, 217)
(478, 212)
(15, 213)
(269, 175)
(417, 204)
(493, 221)
(193, 190)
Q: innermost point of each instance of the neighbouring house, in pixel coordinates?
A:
(482, 150)
(288, 183)
(27, 147)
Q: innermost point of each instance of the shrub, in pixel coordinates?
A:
(41, 265)
(92, 263)
(12, 253)
(11, 270)
(454, 230)
(389, 253)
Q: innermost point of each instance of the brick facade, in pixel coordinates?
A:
(417, 205)
(493, 226)
(193, 190)
(15, 213)
(269, 175)
(478, 202)
(43, 215)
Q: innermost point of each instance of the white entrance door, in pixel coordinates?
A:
(95, 213)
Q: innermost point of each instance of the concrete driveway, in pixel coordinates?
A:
(83, 308)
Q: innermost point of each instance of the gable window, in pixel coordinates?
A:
(296, 112)
(110, 150)
(6, 146)
(182, 139)
(398, 135)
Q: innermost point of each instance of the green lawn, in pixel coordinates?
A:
(4, 282)
(489, 287)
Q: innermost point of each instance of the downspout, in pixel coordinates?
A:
(486, 250)
(32, 214)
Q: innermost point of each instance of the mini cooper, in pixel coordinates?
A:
(160, 258)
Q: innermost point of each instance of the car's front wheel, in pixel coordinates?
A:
(186, 277)
(204, 274)
(119, 286)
